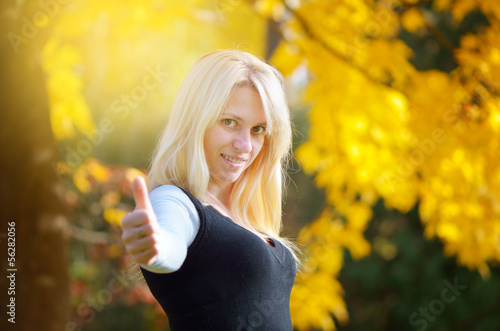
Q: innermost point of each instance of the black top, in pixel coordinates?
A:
(231, 280)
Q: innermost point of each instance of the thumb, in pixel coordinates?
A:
(141, 196)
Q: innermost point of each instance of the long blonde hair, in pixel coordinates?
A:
(179, 157)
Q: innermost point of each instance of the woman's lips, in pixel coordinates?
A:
(233, 160)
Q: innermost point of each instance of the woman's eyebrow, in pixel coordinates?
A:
(236, 117)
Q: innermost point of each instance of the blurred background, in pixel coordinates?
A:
(393, 193)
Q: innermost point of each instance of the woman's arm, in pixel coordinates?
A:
(161, 228)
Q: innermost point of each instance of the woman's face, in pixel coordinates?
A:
(232, 144)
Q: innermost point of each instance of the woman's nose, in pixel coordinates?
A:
(243, 142)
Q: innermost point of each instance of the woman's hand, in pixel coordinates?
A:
(140, 228)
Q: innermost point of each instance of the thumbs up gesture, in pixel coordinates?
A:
(140, 229)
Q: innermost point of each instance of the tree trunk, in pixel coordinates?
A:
(273, 38)
(31, 195)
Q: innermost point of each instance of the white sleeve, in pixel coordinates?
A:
(179, 224)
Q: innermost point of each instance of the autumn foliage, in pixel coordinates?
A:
(381, 128)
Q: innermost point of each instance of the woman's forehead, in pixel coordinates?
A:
(245, 104)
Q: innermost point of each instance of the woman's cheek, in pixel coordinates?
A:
(258, 147)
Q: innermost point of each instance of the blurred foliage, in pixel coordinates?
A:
(112, 66)
(382, 128)
(400, 285)
(402, 136)
(104, 283)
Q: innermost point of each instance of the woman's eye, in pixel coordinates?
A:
(259, 129)
(228, 122)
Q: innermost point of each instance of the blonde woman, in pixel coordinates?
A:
(207, 235)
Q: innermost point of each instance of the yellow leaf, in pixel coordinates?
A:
(114, 216)
(97, 170)
(413, 20)
(80, 180)
(110, 199)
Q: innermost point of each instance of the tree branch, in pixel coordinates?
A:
(439, 36)
(308, 31)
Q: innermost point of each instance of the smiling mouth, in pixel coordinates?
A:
(236, 161)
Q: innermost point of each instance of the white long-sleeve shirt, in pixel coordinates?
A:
(179, 224)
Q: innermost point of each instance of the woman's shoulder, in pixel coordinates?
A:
(168, 190)
(170, 193)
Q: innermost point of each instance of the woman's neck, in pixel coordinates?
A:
(219, 197)
(221, 193)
